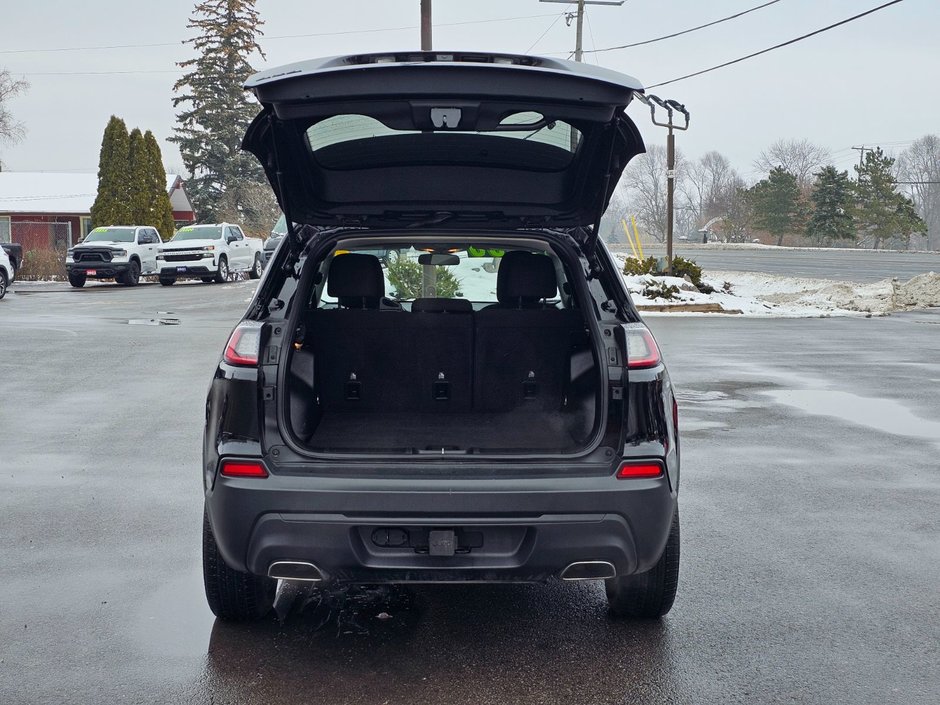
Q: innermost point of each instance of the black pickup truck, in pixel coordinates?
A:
(15, 253)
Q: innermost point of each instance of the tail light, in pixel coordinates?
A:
(243, 468)
(639, 469)
(642, 350)
(244, 344)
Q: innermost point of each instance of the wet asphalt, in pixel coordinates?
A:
(810, 504)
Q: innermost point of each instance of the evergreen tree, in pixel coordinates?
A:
(882, 212)
(110, 206)
(160, 210)
(138, 198)
(216, 110)
(775, 202)
(832, 207)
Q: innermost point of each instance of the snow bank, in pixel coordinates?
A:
(758, 294)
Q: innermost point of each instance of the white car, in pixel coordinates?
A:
(6, 272)
(124, 253)
(209, 252)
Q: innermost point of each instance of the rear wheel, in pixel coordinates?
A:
(3, 283)
(222, 275)
(648, 595)
(255, 271)
(232, 595)
(167, 281)
(77, 279)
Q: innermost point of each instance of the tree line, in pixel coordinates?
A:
(132, 187)
(801, 198)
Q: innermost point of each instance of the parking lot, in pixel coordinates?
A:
(811, 540)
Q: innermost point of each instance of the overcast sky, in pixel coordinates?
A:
(871, 82)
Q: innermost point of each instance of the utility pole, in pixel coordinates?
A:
(579, 16)
(861, 157)
(425, 25)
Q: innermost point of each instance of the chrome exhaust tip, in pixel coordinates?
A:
(589, 570)
(295, 570)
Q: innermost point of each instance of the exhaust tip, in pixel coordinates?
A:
(295, 570)
(589, 570)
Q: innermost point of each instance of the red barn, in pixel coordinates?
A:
(43, 210)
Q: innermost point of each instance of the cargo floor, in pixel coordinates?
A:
(539, 431)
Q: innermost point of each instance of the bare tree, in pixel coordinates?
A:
(801, 158)
(920, 164)
(709, 186)
(10, 129)
(643, 187)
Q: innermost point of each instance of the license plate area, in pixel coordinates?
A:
(181, 269)
(442, 540)
(91, 272)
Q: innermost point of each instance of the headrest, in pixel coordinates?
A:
(356, 280)
(439, 305)
(524, 278)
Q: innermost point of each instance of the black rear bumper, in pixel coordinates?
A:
(523, 529)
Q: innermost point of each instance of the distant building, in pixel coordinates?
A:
(43, 210)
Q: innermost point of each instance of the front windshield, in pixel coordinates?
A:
(110, 235)
(198, 232)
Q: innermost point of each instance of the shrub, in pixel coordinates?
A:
(42, 264)
(661, 290)
(632, 265)
(404, 274)
(682, 267)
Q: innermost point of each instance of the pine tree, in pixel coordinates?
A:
(776, 204)
(160, 210)
(138, 198)
(882, 212)
(110, 206)
(216, 108)
(832, 207)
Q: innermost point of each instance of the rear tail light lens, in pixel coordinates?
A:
(642, 350)
(244, 344)
(243, 468)
(633, 470)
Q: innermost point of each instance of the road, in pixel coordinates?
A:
(811, 540)
(845, 265)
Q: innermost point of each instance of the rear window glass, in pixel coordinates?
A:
(528, 126)
(199, 232)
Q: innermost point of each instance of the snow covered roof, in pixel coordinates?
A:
(49, 192)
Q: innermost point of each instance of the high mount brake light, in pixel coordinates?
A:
(642, 350)
(243, 468)
(632, 470)
(244, 345)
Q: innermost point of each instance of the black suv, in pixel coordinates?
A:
(484, 405)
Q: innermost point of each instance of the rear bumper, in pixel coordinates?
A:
(506, 530)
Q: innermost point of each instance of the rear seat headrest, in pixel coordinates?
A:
(441, 305)
(525, 277)
(356, 280)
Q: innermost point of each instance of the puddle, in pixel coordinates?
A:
(880, 414)
(153, 321)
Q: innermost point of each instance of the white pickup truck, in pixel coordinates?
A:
(123, 253)
(209, 252)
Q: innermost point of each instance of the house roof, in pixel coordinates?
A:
(49, 192)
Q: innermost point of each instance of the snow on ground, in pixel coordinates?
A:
(757, 294)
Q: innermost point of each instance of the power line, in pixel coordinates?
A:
(777, 46)
(542, 35)
(685, 31)
(280, 36)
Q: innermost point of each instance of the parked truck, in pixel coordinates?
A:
(209, 252)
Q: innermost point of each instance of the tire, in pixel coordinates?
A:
(222, 275)
(255, 271)
(132, 275)
(167, 281)
(77, 280)
(232, 595)
(648, 595)
(3, 283)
